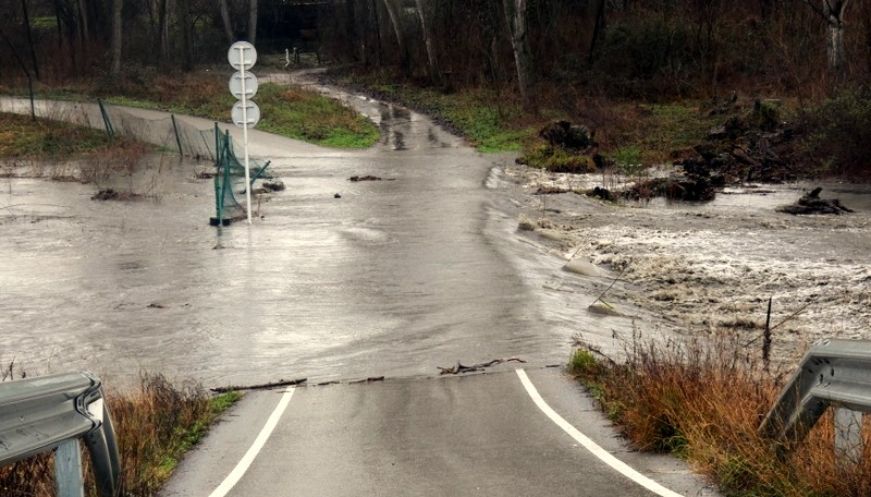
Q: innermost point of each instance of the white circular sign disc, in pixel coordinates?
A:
(253, 114)
(242, 53)
(251, 85)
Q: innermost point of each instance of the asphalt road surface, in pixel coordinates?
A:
(483, 434)
(394, 278)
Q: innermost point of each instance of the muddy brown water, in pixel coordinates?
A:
(396, 277)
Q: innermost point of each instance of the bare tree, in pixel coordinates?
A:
(426, 29)
(225, 18)
(252, 21)
(396, 22)
(84, 35)
(117, 18)
(515, 15)
(833, 12)
(598, 27)
(163, 29)
(186, 27)
(29, 34)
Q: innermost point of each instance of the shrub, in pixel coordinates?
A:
(155, 425)
(704, 401)
(838, 133)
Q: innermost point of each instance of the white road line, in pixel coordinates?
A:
(239, 471)
(590, 445)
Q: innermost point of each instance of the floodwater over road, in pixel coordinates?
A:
(395, 277)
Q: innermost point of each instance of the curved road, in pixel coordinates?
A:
(394, 278)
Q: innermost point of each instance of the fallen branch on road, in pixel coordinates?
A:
(460, 368)
(263, 386)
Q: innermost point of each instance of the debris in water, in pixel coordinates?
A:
(262, 386)
(155, 305)
(604, 309)
(110, 194)
(811, 203)
(601, 193)
(275, 185)
(338, 195)
(370, 379)
(368, 177)
(460, 368)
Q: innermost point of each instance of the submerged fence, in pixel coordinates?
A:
(179, 136)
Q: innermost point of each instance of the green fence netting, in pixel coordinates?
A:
(230, 179)
(175, 135)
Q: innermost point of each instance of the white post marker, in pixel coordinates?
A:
(242, 56)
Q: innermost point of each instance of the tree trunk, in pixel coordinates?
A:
(66, 14)
(834, 12)
(117, 8)
(378, 43)
(434, 73)
(163, 30)
(225, 17)
(835, 48)
(184, 21)
(396, 22)
(83, 22)
(29, 34)
(515, 15)
(60, 31)
(252, 21)
(597, 29)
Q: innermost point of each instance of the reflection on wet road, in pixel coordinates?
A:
(395, 277)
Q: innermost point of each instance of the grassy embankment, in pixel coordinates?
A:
(634, 133)
(704, 403)
(155, 424)
(495, 121)
(51, 145)
(288, 111)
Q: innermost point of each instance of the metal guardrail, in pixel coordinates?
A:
(834, 373)
(53, 413)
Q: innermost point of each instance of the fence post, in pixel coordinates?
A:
(110, 130)
(68, 469)
(848, 436)
(177, 138)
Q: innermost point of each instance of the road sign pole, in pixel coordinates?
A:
(245, 134)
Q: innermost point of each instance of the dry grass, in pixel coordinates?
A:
(704, 402)
(64, 151)
(155, 425)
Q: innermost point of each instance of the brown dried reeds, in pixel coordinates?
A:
(155, 424)
(704, 401)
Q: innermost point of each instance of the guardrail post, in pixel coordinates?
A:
(848, 436)
(68, 469)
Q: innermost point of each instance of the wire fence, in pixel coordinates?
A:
(175, 135)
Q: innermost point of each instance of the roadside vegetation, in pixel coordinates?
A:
(61, 151)
(496, 121)
(703, 402)
(156, 424)
(24, 138)
(286, 110)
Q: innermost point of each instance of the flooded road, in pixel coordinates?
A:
(399, 276)
(395, 277)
